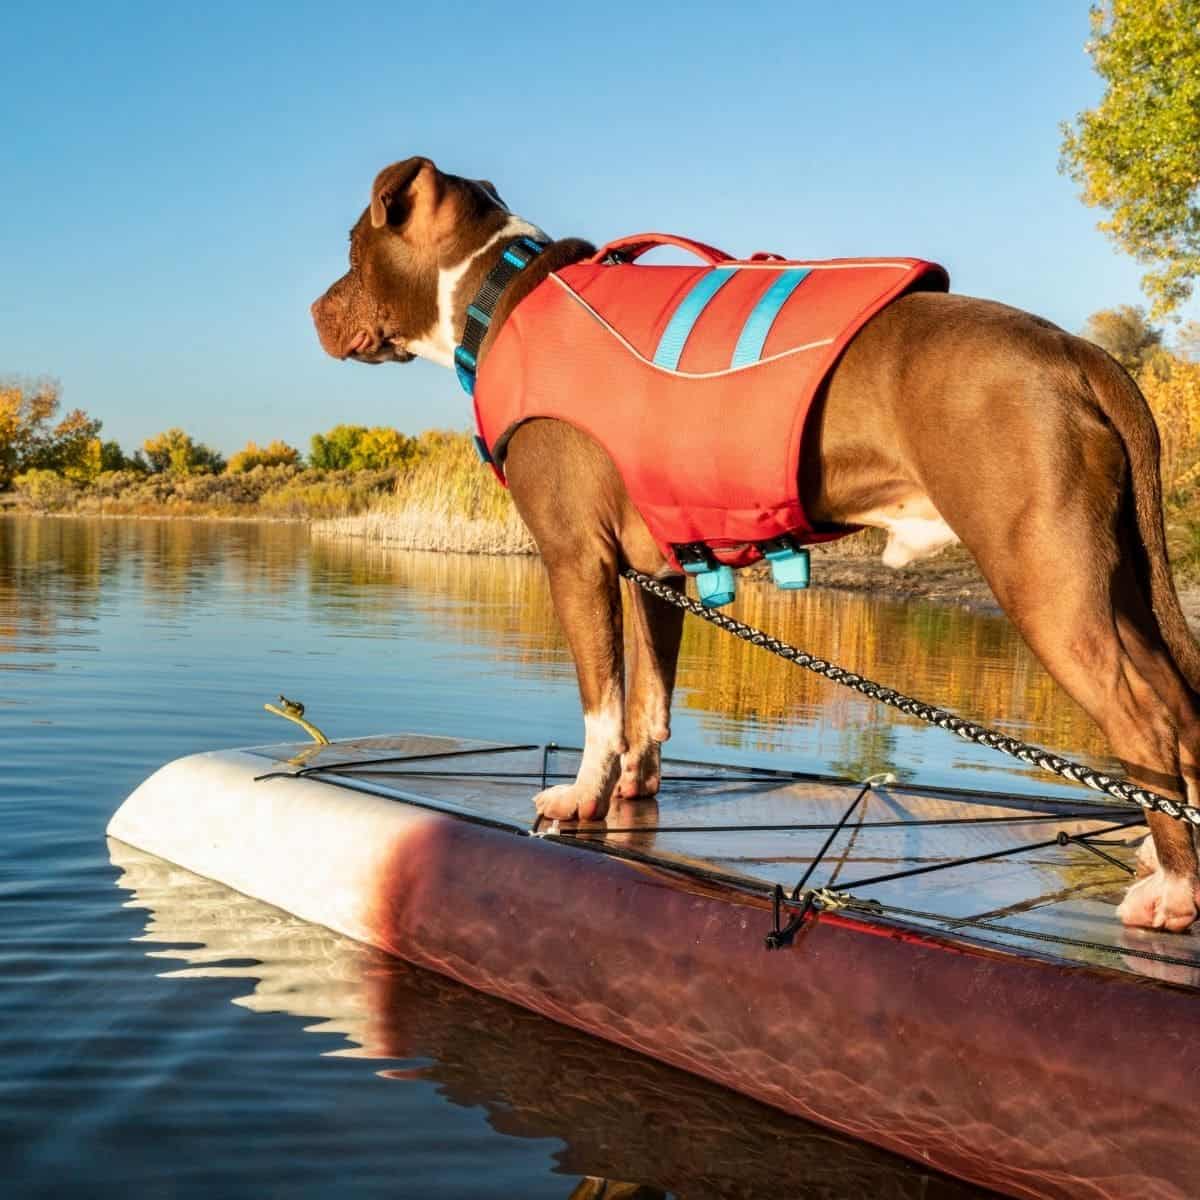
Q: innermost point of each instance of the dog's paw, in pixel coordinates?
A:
(641, 772)
(1161, 901)
(570, 802)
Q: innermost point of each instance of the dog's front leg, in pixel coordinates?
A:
(587, 599)
(655, 630)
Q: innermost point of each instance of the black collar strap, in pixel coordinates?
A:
(516, 257)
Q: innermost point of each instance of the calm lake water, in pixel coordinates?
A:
(163, 1036)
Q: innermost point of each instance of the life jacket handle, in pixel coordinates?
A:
(627, 249)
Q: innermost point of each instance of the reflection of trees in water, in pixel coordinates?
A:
(974, 663)
(491, 601)
(54, 570)
(179, 556)
(173, 556)
(970, 662)
(50, 576)
(866, 749)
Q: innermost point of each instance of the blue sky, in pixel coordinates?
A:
(178, 180)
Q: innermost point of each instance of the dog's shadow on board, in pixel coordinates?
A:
(629, 1127)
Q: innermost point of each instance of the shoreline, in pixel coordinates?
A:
(101, 515)
(948, 578)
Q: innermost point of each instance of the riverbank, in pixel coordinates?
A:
(438, 498)
(950, 578)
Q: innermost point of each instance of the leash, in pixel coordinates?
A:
(1045, 760)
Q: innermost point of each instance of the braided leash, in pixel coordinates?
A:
(1119, 789)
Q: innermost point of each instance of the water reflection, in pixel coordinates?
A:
(971, 662)
(628, 1127)
(57, 573)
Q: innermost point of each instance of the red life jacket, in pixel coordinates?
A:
(696, 380)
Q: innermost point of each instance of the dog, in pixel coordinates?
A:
(945, 419)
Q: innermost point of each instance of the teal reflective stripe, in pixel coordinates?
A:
(758, 324)
(675, 336)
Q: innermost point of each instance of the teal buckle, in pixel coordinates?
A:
(714, 584)
(464, 368)
(790, 568)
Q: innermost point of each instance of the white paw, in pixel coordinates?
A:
(1161, 901)
(570, 802)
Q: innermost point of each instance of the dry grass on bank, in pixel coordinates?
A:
(447, 500)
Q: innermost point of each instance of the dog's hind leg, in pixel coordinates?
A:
(655, 630)
(1078, 613)
(1138, 630)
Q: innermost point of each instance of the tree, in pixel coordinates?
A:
(357, 448)
(380, 448)
(1175, 402)
(86, 460)
(72, 449)
(275, 454)
(1137, 153)
(113, 458)
(175, 452)
(31, 440)
(1127, 335)
(333, 451)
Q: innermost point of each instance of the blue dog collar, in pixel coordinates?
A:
(518, 254)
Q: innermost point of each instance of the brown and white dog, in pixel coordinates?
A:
(948, 418)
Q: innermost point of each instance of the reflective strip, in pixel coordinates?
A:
(758, 324)
(675, 336)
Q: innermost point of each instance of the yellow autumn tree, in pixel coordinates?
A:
(274, 454)
(1174, 399)
(174, 452)
(32, 440)
(357, 448)
(379, 448)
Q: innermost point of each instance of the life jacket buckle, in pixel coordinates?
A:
(790, 566)
(715, 584)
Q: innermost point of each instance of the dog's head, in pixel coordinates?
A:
(421, 224)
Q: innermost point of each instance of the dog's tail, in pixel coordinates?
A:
(1123, 404)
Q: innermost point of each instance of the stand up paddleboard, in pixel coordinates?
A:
(948, 981)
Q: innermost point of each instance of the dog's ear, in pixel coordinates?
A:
(489, 187)
(405, 192)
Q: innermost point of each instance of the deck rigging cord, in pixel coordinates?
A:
(970, 731)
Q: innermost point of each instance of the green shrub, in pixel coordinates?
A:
(46, 490)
